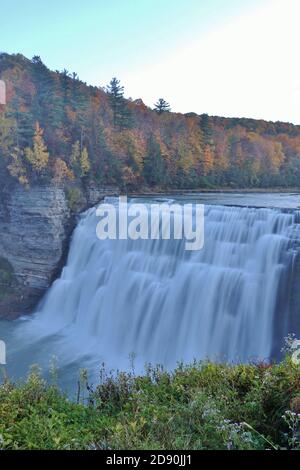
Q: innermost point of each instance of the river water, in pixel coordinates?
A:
(235, 300)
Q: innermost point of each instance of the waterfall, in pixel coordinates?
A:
(154, 299)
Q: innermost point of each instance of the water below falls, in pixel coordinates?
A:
(234, 300)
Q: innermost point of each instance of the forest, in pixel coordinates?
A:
(56, 129)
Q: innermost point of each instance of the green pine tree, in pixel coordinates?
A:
(122, 115)
(162, 106)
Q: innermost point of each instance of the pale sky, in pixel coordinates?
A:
(235, 58)
(246, 67)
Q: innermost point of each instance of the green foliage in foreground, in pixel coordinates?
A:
(201, 406)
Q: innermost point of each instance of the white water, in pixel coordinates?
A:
(165, 304)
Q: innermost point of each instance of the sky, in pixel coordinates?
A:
(234, 58)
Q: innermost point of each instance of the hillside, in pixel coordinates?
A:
(55, 128)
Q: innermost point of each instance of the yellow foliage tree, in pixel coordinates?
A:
(16, 167)
(80, 161)
(61, 172)
(84, 162)
(129, 145)
(75, 155)
(38, 157)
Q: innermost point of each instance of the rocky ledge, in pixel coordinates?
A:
(35, 228)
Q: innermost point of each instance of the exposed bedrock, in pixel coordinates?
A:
(35, 228)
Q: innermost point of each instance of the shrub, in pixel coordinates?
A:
(74, 198)
(200, 406)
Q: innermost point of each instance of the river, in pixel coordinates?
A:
(235, 300)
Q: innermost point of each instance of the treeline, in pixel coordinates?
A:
(56, 128)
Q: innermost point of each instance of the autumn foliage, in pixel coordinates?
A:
(55, 128)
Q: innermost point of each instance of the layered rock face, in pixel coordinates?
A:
(35, 227)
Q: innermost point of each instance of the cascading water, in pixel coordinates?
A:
(165, 304)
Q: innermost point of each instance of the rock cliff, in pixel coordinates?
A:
(35, 227)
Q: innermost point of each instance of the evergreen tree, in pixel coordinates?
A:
(162, 106)
(36, 59)
(122, 115)
(24, 122)
(38, 157)
(80, 161)
(206, 128)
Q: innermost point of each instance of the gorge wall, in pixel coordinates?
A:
(35, 227)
